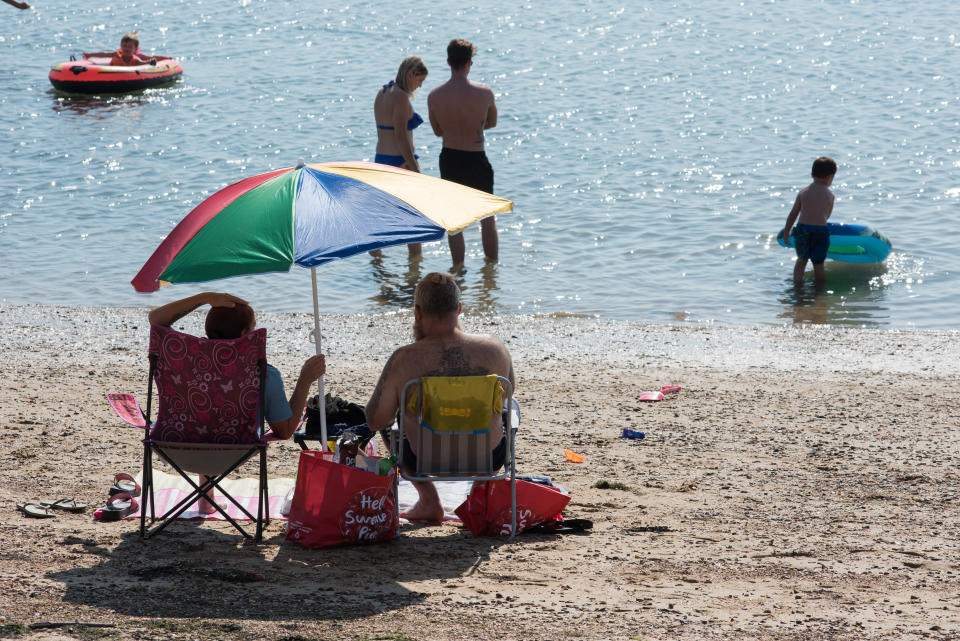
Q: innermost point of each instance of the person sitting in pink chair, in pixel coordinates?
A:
(232, 317)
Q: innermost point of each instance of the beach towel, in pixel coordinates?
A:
(170, 490)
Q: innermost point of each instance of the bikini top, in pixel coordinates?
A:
(415, 120)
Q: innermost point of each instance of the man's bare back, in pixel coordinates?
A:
(460, 354)
(460, 110)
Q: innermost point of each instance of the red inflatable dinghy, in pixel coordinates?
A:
(95, 75)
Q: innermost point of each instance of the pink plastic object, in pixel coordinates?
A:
(650, 396)
(670, 389)
(127, 408)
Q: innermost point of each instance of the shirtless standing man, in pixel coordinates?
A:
(441, 348)
(460, 110)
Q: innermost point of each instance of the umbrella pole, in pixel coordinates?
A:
(322, 404)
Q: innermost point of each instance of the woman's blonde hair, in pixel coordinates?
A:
(410, 63)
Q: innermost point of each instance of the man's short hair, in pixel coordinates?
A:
(823, 167)
(437, 294)
(460, 52)
(229, 322)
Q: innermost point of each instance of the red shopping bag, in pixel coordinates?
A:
(486, 512)
(335, 504)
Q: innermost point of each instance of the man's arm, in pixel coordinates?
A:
(431, 114)
(491, 120)
(313, 368)
(170, 313)
(382, 407)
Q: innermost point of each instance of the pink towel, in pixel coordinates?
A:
(170, 490)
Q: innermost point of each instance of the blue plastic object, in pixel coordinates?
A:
(852, 243)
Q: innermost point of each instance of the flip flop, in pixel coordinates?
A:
(123, 483)
(35, 510)
(68, 505)
(650, 396)
(119, 506)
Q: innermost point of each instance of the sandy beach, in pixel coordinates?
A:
(802, 485)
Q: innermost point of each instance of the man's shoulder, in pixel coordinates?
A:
(486, 342)
(479, 86)
(439, 90)
(485, 338)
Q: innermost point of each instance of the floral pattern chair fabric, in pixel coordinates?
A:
(209, 390)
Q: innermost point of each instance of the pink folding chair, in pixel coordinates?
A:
(209, 418)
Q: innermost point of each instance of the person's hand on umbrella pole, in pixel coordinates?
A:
(313, 369)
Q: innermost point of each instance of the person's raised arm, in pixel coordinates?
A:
(313, 368)
(382, 407)
(170, 313)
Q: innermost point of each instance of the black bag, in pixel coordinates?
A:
(341, 415)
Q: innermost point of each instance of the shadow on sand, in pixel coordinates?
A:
(195, 571)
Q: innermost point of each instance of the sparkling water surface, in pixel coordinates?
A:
(653, 152)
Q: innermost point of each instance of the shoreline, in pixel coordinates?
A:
(616, 343)
(803, 484)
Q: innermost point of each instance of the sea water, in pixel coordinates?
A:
(653, 150)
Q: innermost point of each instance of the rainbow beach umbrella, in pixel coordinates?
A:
(309, 215)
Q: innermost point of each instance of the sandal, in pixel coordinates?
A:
(35, 510)
(68, 505)
(119, 506)
(123, 483)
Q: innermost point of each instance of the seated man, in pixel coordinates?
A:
(232, 317)
(441, 348)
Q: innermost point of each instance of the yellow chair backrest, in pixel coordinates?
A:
(459, 404)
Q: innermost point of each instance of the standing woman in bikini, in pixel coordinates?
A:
(396, 120)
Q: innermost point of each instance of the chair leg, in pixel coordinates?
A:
(263, 501)
(146, 493)
(513, 488)
(198, 490)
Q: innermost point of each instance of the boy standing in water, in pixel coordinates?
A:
(814, 205)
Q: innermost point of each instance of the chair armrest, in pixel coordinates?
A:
(127, 408)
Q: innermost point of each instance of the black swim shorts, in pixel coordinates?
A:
(470, 168)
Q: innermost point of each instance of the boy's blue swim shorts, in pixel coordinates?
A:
(811, 242)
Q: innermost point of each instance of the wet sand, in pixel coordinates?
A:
(803, 484)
